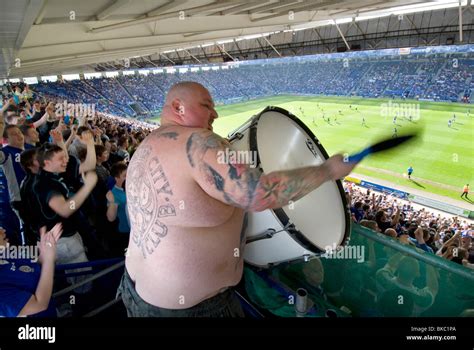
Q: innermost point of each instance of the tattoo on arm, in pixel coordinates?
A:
(246, 187)
(148, 200)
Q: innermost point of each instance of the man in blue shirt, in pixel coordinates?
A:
(117, 208)
(14, 174)
(410, 171)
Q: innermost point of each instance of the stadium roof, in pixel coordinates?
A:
(60, 36)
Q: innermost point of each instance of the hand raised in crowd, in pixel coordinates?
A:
(419, 235)
(87, 137)
(47, 243)
(90, 178)
(56, 135)
(20, 120)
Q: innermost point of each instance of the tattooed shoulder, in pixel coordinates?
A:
(200, 142)
(173, 135)
(149, 198)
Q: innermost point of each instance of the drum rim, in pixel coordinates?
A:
(280, 213)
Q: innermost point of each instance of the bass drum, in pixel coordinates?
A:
(312, 224)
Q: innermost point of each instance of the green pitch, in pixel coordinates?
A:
(442, 158)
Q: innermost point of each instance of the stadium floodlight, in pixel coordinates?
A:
(439, 5)
(343, 20)
(50, 78)
(309, 25)
(92, 75)
(207, 44)
(249, 37)
(380, 15)
(407, 9)
(111, 74)
(30, 80)
(71, 77)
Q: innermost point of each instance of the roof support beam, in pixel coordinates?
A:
(177, 54)
(111, 9)
(150, 61)
(460, 21)
(188, 12)
(222, 50)
(273, 6)
(239, 8)
(273, 47)
(413, 24)
(204, 52)
(163, 8)
(238, 47)
(190, 54)
(41, 14)
(342, 36)
(162, 54)
(297, 8)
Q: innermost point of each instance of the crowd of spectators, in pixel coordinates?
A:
(438, 79)
(445, 235)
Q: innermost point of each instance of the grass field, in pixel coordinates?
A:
(442, 158)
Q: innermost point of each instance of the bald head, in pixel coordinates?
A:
(183, 90)
(188, 104)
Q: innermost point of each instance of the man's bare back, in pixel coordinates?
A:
(185, 246)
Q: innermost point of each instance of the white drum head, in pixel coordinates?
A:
(283, 142)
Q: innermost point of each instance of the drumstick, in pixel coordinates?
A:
(380, 146)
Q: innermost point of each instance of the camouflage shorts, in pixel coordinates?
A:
(225, 304)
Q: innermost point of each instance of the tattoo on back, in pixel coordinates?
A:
(169, 135)
(148, 199)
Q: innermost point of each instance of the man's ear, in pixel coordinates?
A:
(177, 107)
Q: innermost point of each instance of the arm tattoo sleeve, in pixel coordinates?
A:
(246, 187)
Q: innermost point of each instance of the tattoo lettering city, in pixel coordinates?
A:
(148, 197)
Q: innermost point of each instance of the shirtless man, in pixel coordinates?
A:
(187, 211)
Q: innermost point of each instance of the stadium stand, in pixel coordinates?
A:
(427, 77)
